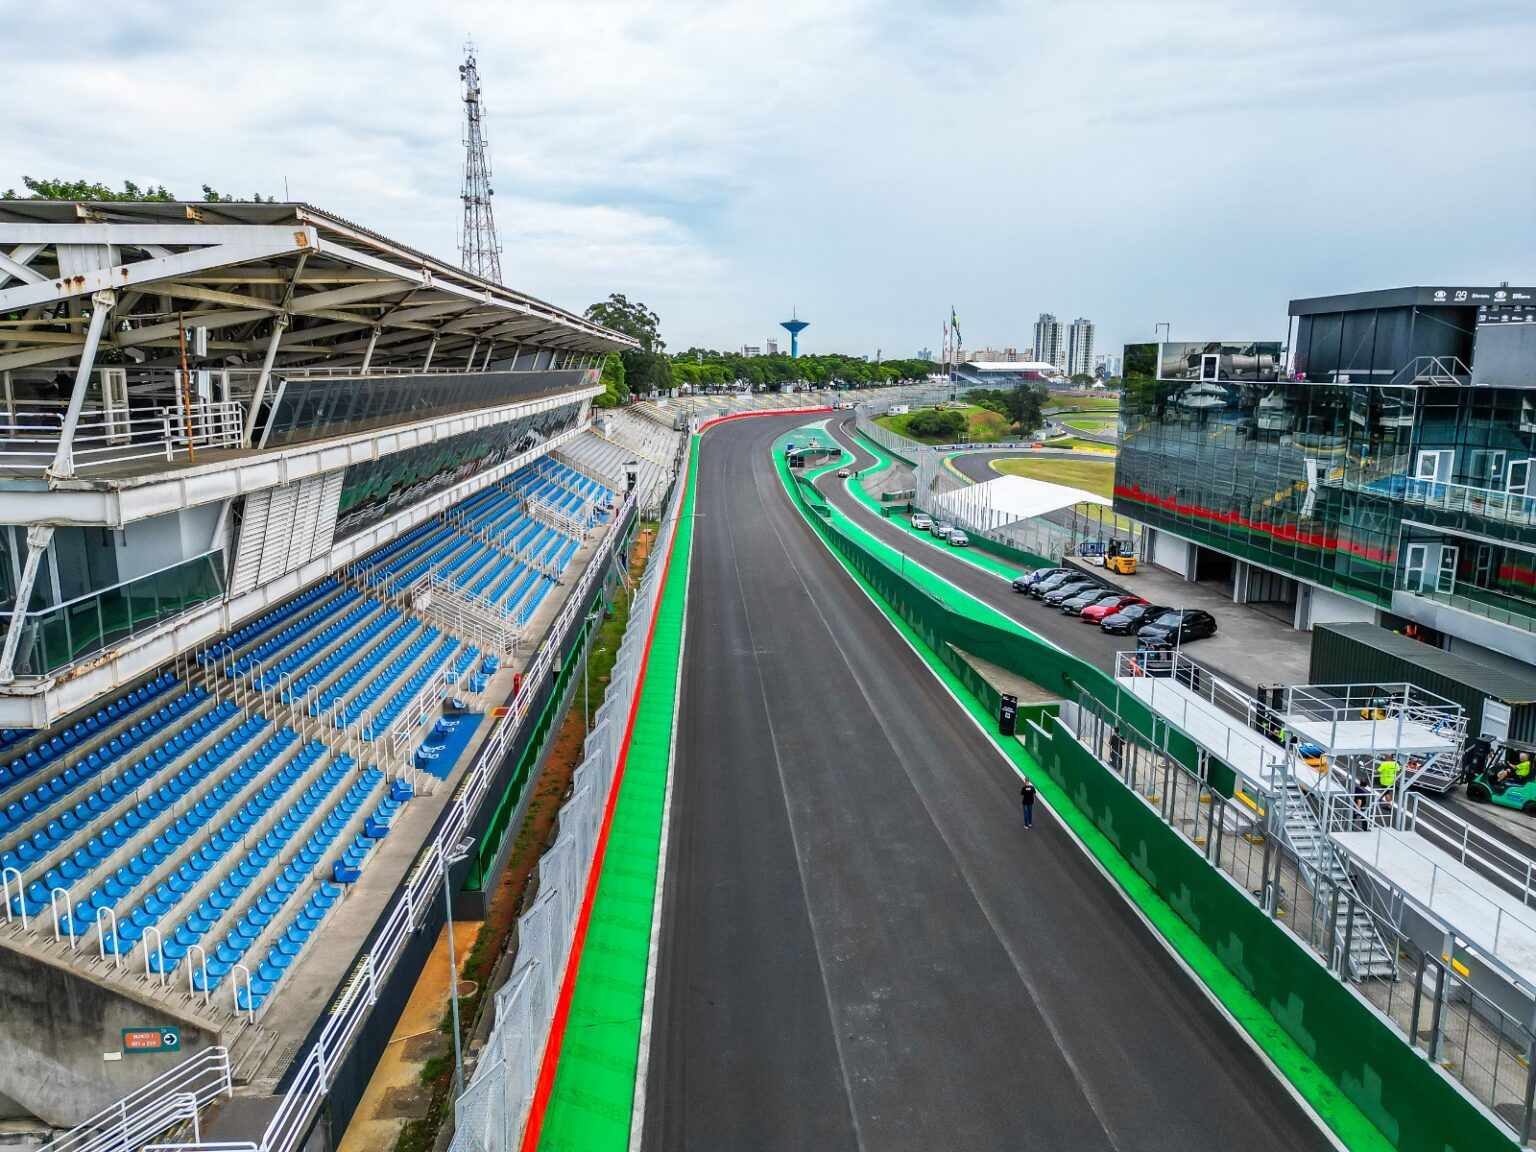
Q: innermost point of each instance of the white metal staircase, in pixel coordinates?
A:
(1326, 875)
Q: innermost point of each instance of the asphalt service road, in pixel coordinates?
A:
(861, 947)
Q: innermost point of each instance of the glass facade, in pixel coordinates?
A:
(379, 488)
(311, 407)
(55, 637)
(1366, 490)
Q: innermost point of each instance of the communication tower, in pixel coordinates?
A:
(479, 249)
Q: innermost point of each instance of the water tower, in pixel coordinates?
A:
(794, 326)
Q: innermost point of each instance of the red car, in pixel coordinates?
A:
(1096, 612)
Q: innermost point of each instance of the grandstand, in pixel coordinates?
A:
(619, 443)
(247, 604)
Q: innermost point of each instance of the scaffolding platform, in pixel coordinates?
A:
(1497, 923)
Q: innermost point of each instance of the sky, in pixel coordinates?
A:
(870, 163)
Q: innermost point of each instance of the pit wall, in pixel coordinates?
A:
(1414, 1106)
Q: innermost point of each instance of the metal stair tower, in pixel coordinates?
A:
(479, 248)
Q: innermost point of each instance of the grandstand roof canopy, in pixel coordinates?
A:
(1011, 366)
(234, 269)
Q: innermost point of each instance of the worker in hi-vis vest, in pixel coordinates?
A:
(1386, 773)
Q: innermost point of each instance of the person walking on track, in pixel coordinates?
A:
(1027, 795)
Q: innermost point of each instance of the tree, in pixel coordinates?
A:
(633, 319)
(936, 425)
(85, 190)
(1081, 379)
(131, 192)
(1025, 404)
(615, 386)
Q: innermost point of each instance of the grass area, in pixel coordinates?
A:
(1094, 423)
(986, 427)
(1097, 476)
(1110, 403)
(1080, 445)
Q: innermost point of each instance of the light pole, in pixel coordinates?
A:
(458, 853)
(1167, 330)
(586, 652)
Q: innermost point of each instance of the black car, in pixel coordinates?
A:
(1023, 583)
(1178, 627)
(1059, 595)
(1076, 604)
(1132, 617)
(1050, 583)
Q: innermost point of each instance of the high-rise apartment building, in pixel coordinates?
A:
(1051, 341)
(1080, 347)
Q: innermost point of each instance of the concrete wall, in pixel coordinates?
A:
(1320, 606)
(60, 1034)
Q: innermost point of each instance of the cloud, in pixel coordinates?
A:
(869, 162)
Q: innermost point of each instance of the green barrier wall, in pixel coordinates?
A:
(1414, 1107)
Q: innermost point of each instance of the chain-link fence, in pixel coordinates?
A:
(1348, 922)
(490, 1115)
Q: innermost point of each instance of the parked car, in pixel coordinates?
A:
(922, 521)
(1056, 597)
(1051, 583)
(1102, 609)
(1127, 620)
(1075, 605)
(1024, 582)
(958, 539)
(942, 529)
(1178, 627)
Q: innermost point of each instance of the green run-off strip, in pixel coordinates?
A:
(594, 1091)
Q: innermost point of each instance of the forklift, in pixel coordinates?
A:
(1500, 772)
(1118, 560)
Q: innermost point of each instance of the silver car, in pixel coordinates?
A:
(958, 539)
(942, 529)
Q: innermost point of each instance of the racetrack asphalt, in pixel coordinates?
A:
(861, 947)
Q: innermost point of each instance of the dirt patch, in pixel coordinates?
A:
(406, 1103)
(420, 1048)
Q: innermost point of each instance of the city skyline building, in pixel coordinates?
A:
(1080, 347)
(1050, 341)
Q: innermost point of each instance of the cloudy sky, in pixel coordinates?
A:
(869, 162)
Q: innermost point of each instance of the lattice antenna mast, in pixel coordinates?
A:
(479, 249)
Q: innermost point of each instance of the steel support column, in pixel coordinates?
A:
(431, 348)
(279, 326)
(373, 338)
(474, 350)
(63, 463)
(39, 536)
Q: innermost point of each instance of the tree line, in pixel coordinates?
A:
(639, 371)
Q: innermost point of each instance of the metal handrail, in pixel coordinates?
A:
(143, 1114)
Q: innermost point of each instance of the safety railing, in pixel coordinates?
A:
(1510, 869)
(54, 637)
(1420, 990)
(152, 1111)
(30, 438)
